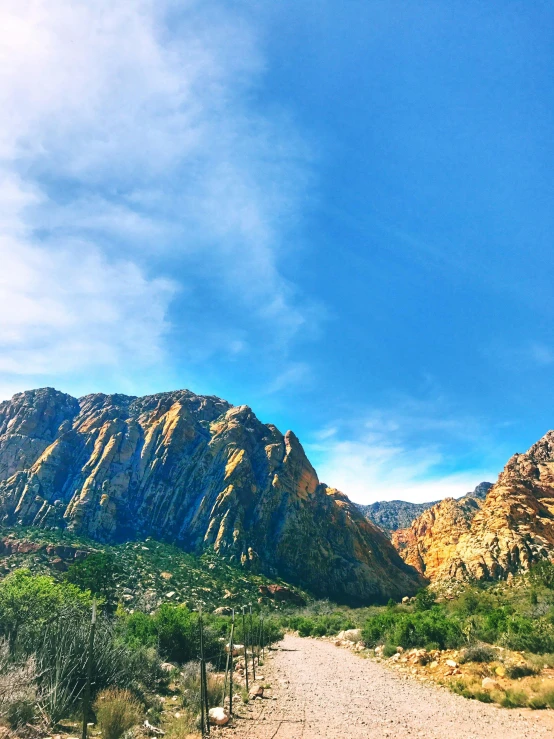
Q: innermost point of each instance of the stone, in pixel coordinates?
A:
(500, 671)
(489, 684)
(353, 635)
(405, 600)
(256, 691)
(218, 716)
(451, 663)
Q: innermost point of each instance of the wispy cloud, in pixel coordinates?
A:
(134, 168)
(393, 453)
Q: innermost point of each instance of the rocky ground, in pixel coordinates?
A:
(319, 691)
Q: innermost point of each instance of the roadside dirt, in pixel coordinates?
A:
(319, 691)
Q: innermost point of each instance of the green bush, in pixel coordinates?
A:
(389, 650)
(97, 573)
(514, 699)
(523, 634)
(542, 573)
(413, 629)
(327, 624)
(424, 600)
(29, 601)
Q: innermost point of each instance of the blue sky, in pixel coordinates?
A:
(337, 213)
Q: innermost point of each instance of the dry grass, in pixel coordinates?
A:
(117, 711)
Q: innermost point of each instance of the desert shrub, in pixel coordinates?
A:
(544, 696)
(20, 712)
(478, 653)
(513, 698)
(98, 574)
(376, 628)
(17, 677)
(472, 690)
(424, 600)
(61, 653)
(525, 634)
(389, 650)
(413, 629)
(176, 632)
(117, 711)
(190, 686)
(520, 670)
(30, 601)
(542, 573)
(327, 624)
(473, 601)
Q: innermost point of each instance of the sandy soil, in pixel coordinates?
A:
(319, 691)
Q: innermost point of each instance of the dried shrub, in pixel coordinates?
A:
(117, 711)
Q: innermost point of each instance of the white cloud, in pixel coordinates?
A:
(385, 455)
(128, 136)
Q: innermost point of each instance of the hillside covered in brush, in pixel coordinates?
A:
(194, 471)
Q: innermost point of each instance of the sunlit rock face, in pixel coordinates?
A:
(196, 471)
(507, 532)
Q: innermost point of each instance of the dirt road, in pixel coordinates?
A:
(319, 691)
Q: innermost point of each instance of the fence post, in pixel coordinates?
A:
(87, 691)
(232, 647)
(245, 655)
(229, 661)
(252, 643)
(205, 711)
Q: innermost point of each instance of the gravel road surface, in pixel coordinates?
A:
(319, 691)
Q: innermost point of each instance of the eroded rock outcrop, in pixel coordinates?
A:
(506, 533)
(430, 543)
(196, 471)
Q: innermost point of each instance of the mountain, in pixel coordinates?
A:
(391, 515)
(429, 544)
(512, 528)
(194, 471)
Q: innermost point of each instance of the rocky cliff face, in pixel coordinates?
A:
(195, 471)
(391, 515)
(430, 543)
(512, 528)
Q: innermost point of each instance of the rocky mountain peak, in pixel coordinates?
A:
(511, 528)
(196, 471)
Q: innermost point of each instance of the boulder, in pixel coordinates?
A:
(451, 663)
(223, 611)
(405, 600)
(489, 684)
(218, 716)
(353, 635)
(256, 691)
